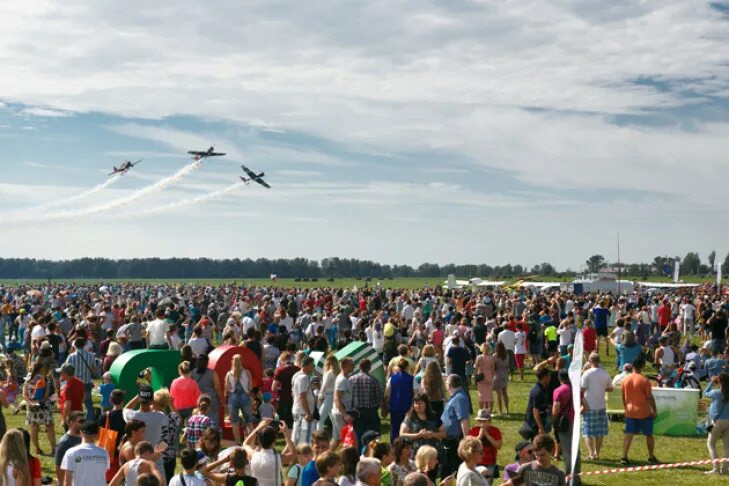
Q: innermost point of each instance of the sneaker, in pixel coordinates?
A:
(624, 461)
(712, 471)
(653, 460)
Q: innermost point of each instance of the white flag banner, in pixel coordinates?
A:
(575, 373)
(718, 274)
(676, 269)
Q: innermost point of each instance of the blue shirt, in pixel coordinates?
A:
(105, 390)
(714, 366)
(455, 410)
(719, 409)
(628, 355)
(309, 474)
(401, 392)
(601, 317)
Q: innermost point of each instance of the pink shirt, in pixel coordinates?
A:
(184, 392)
(563, 395)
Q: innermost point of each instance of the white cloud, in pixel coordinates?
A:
(43, 112)
(525, 88)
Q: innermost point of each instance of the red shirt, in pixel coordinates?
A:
(589, 335)
(438, 338)
(664, 315)
(489, 453)
(73, 391)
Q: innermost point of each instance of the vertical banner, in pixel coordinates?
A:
(676, 268)
(575, 373)
(718, 275)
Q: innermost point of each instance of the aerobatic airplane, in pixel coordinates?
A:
(124, 168)
(197, 155)
(254, 177)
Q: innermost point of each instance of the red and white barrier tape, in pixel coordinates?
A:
(651, 467)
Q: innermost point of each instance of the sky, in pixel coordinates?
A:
(401, 132)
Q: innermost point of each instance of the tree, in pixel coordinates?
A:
(691, 264)
(595, 263)
(725, 266)
(712, 260)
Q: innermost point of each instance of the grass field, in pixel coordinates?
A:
(401, 283)
(668, 449)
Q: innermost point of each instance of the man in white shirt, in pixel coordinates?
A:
(595, 383)
(158, 332)
(304, 402)
(197, 343)
(86, 464)
(408, 311)
(687, 312)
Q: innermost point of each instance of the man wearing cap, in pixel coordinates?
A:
(524, 455)
(85, 367)
(154, 421)
(490, 437)
(70, 439)
(595, 382)
(455, 420)
(86, 464)
(71, 398)
(304, 402)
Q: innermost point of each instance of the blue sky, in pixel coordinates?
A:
(460, 132)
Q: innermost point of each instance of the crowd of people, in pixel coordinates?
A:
(437, 345)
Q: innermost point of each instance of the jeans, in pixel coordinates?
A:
(240, 402)
(720, 431)
(88, 401)
(325, 410)
(565, 442)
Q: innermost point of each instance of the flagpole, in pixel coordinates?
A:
(618, 264)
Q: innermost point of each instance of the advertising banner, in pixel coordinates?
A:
(678, 411)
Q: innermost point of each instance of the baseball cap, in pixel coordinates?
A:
(66, 368)
(519, 446)
(389, 329)
(145, 394)
(90, 427)
(369, 436)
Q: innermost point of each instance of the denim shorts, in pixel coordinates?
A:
(237, 403)
(639, 426)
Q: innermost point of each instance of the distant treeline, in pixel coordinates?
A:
(150, 268)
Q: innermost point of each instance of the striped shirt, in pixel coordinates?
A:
(82, 371)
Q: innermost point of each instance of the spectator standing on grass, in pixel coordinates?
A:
(455, 419)
(14, 464)
(154, 421)
(640, 410)
(36, 393)
(595, 382)
(304, 402)
(718, 391)
(70, 439)
(282, 379)
(524, 455)
(399, 397)
(86, 464)
(367, 398)
(158, 332)
(184, 391)
(85, 369)
(563, 418)
(540, 471)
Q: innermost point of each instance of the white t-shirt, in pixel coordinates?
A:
(565, 336)
(301, 383)
(157, 332)
(342, 384)
(199, 345)
(38, 332)
(688, 311)
(88, 463)
(190, 480)
(265, 466)
(595, 382)
(508, 338)
(520, 346)
(287, 321)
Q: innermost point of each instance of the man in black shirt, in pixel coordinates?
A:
(718, 325)
(538, 406)
(479, 331)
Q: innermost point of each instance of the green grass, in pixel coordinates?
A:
(668, 449)
(401, 283)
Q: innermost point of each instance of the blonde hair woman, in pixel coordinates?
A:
(470, 450)
(13, 460)
(485, 369)
(171, 433)
(425, 359)
(326, 394)
(237, 390)
(426, 461)
(432, 385)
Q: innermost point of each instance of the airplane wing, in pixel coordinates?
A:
(113, 173)
(135, 163)
(262, 182)
(196, 152)
(667, 285)
(248, 171)
(214, 154)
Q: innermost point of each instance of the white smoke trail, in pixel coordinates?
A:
(116, 203)
(191, 200)
(64, 202)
